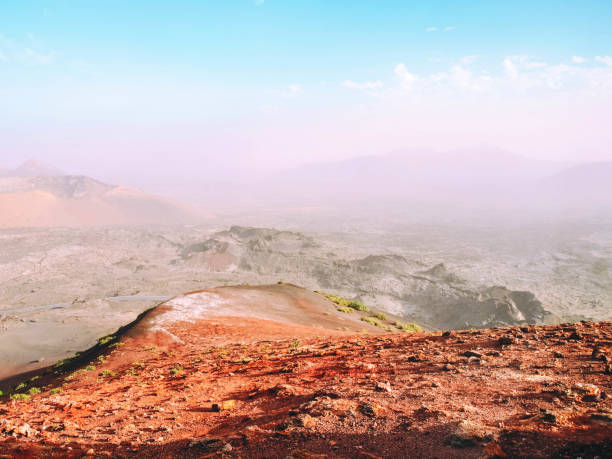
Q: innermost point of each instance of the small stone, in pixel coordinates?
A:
(588, 389)
(227, 448)
(596, 354)
(383, 387)
(305, 420)
(226, 405)
(478, 355)
(90, 452)
(506, 341)
(25, 431)
(367, 409)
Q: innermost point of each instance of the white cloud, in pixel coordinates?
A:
(449, 28)
(2, 56)
(431, 29)
(407, 79)
(510, 68)
(578, 60)
(604, 60)
(369, 85)
(461, 76)
(295, 88)
(259, 2)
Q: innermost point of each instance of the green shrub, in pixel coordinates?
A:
(297, 343)
(105, 339)
(90, 368)
(346, 310)
(55, 390)
(21, 386)
(34, 391)
(107, 373)
(1, 393)
(410, 327)
(371, 321)
(23, 397)
(380, 316)
(359, 306)
(176, 370)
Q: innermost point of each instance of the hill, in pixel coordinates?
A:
(191, 378)
(67, 200)
(31, 168)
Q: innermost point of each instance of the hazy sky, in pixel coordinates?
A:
(194, 87)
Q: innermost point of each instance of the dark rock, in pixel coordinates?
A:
(478, 355)
(506, 341)
(367, 409)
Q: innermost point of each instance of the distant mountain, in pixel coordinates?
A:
(67, 200)
(584, 178)
(408, 169)
(31, 168)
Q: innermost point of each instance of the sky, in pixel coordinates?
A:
(237, 87)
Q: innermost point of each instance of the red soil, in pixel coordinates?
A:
(303, 392)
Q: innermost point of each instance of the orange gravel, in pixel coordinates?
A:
(240, 387)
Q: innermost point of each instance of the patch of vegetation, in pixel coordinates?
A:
(371, 321)
(90, 368)
(22, 397)
(55, 390)
(359, 306)
(410, 327)
(346, 310)
(21, 386)
(34, 391)
(380, 316)
(176, 370)
(101, 359)
(297, 343)
(105, 339)
(138, 364)
(107, 373)
(1, 393)
(343, 302)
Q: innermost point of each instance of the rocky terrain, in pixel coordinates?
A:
(56, 280)
(196, 377)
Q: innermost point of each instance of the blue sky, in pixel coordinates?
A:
(249, 78)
